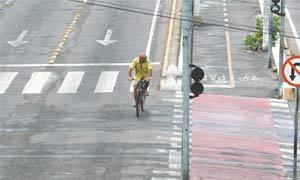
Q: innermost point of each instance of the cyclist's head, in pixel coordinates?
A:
(142, 57)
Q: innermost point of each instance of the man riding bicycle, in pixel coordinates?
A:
(143, 69)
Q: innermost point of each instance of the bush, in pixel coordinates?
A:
(254, 41)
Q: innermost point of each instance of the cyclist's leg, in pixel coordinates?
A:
(134, 93)
(147, 83)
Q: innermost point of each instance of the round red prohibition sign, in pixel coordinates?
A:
(290, 72)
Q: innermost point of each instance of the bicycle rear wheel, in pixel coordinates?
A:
(143, 100)
(137, 106)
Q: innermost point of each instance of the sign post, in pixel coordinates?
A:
(291, 75)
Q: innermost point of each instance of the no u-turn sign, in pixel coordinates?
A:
(291, 71)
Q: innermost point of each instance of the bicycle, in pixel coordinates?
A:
(140, 97)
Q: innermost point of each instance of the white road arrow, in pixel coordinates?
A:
(107, 37)
(19, 41)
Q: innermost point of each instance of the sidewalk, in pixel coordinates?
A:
(234, 138)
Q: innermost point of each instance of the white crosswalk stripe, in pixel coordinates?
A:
(39, 81)
(71, 82)
(107, 81)
(284, 125)
(36, 83)
(5, 80)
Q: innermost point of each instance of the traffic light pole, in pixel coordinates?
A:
(270, 39)
(187, 12)
(281, 48)
(296, 135)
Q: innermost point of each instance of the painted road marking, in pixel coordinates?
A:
(107, 37)
(36, 83)
(152, 29)
(71, 82)
(5, 80)
(296, 36)
(107, 81)
(230, 69)
(59, 46)
(19, 41)
(70, 65)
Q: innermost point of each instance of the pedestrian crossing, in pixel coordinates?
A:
(69, 84)
(284, 125)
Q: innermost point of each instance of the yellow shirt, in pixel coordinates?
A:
(141, 69)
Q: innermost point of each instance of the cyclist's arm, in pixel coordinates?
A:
(150, 72)
(129, 73)
(131, 66)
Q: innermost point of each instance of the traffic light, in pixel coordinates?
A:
(197, 75)
(275, 8)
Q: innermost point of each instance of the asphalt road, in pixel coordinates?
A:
(293, 25)
(74, 119)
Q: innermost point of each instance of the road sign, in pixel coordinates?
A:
(291, 71)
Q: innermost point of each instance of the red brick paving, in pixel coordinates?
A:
(234, 138)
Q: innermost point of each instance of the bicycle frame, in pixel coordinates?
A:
(140, 96)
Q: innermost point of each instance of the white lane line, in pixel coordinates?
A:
(5, 80)
(149, 43)
(70, 65)
(36, 83)
(107, 81)
(85, 1)
(174, 159)
(293, 28)
(279, 100)
(171, 173)
(279, 105)
(284, 127)
(163, 178)
(224, 9)
(71, 82)
(225, 20)
(276, 110)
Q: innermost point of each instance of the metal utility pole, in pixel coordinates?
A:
(296, 134)
(187, 18)
(281, 48)
(270, 39)
(266, 22)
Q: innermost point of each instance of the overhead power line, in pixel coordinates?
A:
(149, 12)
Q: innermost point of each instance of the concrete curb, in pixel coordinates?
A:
(170, 69)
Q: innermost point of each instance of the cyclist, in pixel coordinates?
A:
(143, 69)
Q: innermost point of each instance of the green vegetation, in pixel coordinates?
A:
(254, 41)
